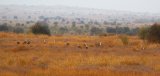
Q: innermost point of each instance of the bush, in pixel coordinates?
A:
(41, 28)
(4, 28)
(63, 30)
(110, 30)
(96, 31)
(18, 30)
(154, 34)
(151, 34)
(143, 33)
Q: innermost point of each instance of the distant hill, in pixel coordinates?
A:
(77, 14)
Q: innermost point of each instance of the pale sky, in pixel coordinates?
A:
(152, 6)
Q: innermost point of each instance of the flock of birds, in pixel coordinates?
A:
(28, 42)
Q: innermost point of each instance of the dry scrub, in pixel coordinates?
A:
(54, 58)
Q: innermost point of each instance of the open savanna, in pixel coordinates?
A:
(50, 56)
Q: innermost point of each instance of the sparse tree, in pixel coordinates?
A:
(63, 30)
(55, 24)
(110, 30)
(73, 24)
(18, 30)
(96, 31)
(4, 27)
(15, 17)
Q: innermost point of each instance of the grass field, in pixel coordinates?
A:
(54, 58)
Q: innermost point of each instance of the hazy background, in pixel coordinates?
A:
(152, 6)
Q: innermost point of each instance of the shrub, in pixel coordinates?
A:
(4, 28)
(110, 30)
(40, 28)
(151, 34)
(18, 30)
(63, 30)
(143, 33)
(96, 31)
(154, 34)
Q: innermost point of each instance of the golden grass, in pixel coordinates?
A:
(56, 59)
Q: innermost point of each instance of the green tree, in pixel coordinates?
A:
(154, 33)
(96, 31)
(63, 30)
(73, 24)
(41, 28)
(18, 30)
(4, 27)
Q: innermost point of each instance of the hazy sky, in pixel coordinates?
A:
(127, 5)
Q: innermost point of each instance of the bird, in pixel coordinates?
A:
(67, 44)
(18, 42)
(85, 45)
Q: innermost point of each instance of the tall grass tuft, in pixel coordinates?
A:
(124, 39)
